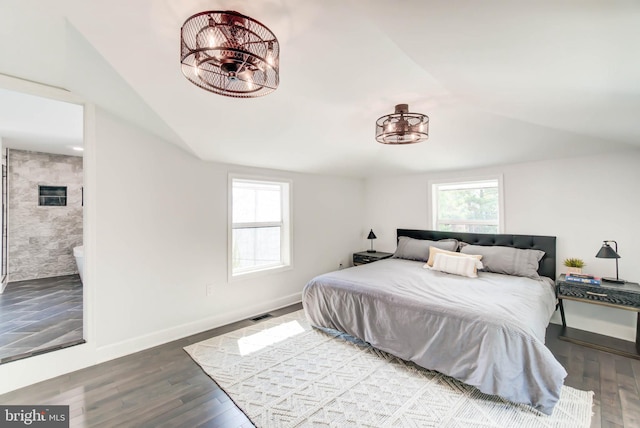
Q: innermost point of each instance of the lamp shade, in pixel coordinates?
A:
(606, 252)
(371, 235)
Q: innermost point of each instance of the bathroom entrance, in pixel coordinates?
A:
(41, 298)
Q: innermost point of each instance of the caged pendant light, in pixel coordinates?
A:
(229, 54)
(402, 127)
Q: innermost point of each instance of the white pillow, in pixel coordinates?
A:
(464, 266)
(433, 251)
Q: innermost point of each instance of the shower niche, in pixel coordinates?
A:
(52, 196)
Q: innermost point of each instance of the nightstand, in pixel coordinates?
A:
(364, 257)
(621, 296)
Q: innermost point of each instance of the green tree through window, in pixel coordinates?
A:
(467, 206)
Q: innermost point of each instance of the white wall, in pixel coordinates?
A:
(159, 237)
(582, 201)
(162, 238)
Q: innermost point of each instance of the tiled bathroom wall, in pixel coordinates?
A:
(41, 238)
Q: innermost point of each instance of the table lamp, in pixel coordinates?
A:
(371, 236)
(606, 252)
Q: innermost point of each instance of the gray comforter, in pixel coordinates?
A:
(487, 331)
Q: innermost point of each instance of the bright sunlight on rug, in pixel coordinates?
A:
(283, 373)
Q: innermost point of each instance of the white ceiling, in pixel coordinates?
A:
(29, 122)
(501, 81)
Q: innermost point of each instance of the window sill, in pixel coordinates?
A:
(258, 273)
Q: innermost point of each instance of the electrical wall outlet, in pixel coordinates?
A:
(210, 289)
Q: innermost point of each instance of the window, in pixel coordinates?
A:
(260, 225)
(468, 206)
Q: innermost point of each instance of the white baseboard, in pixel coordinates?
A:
(20, 373)
(129, 346)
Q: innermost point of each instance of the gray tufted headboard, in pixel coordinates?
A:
(547, 266)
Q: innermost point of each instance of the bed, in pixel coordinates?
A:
(487, 331)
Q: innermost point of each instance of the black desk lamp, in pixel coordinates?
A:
(371, 236)
(606, 252)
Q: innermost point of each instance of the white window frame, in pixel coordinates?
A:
(433, 199)
(286, 232)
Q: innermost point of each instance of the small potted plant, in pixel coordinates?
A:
(574, 265)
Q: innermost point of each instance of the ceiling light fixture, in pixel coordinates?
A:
(229, 54)
(402, 127)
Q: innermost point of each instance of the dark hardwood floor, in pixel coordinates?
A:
(614, 379)
(39, 315)
(163, 387)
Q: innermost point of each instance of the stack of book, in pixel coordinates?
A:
(582, 278)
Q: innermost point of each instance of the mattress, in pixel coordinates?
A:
(487, 332)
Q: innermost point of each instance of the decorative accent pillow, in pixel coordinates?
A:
(507, 260)
(418, 249)
(463, 266)
(433, 251)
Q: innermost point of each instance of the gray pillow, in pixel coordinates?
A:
(418, 249)
(507, 260)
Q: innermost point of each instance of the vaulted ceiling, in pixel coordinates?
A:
(501, 81)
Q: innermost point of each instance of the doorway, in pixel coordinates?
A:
(41, 300)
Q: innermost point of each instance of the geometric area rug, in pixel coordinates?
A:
(283, 373)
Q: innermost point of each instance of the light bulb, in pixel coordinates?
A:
(391, 126)
(246, 76)
(270, 58)
(207, 37)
